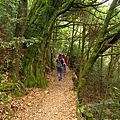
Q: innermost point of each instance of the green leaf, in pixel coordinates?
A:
(78, 110)
(82, 109)
(89, 115)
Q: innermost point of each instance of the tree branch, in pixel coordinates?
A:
(81, 5)
(66, 6)
(110, 42)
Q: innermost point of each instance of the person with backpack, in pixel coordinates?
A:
(64, 63)
(59, 66)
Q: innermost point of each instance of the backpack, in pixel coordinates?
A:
(59, 64)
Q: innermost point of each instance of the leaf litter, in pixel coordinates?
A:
(57, 102)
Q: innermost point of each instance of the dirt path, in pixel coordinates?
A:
(57, 102)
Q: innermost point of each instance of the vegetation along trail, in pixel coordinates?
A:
(57, 102)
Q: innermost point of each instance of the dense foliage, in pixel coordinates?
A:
(33, 32)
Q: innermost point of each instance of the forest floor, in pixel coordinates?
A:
(57, 102)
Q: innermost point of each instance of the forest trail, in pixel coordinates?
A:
(57, 102)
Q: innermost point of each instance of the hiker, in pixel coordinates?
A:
(59, 65)
(64, 63)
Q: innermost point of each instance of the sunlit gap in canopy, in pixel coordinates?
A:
(107, 3)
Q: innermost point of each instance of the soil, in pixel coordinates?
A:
(57, 102)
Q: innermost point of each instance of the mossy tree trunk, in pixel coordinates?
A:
(98, 49)
(40, 23)
(71, 48)
(16, 52)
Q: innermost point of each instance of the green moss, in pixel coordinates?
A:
(30, 80)
(34, 74)
(13, 89)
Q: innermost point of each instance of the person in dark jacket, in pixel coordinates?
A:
(60, 67)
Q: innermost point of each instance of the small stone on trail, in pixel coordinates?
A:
(56, 113)
(40, 111)
(29, 104)
(46, 92)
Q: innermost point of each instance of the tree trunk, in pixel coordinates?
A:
(16, 52)
(101, 76)
(71, 61)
